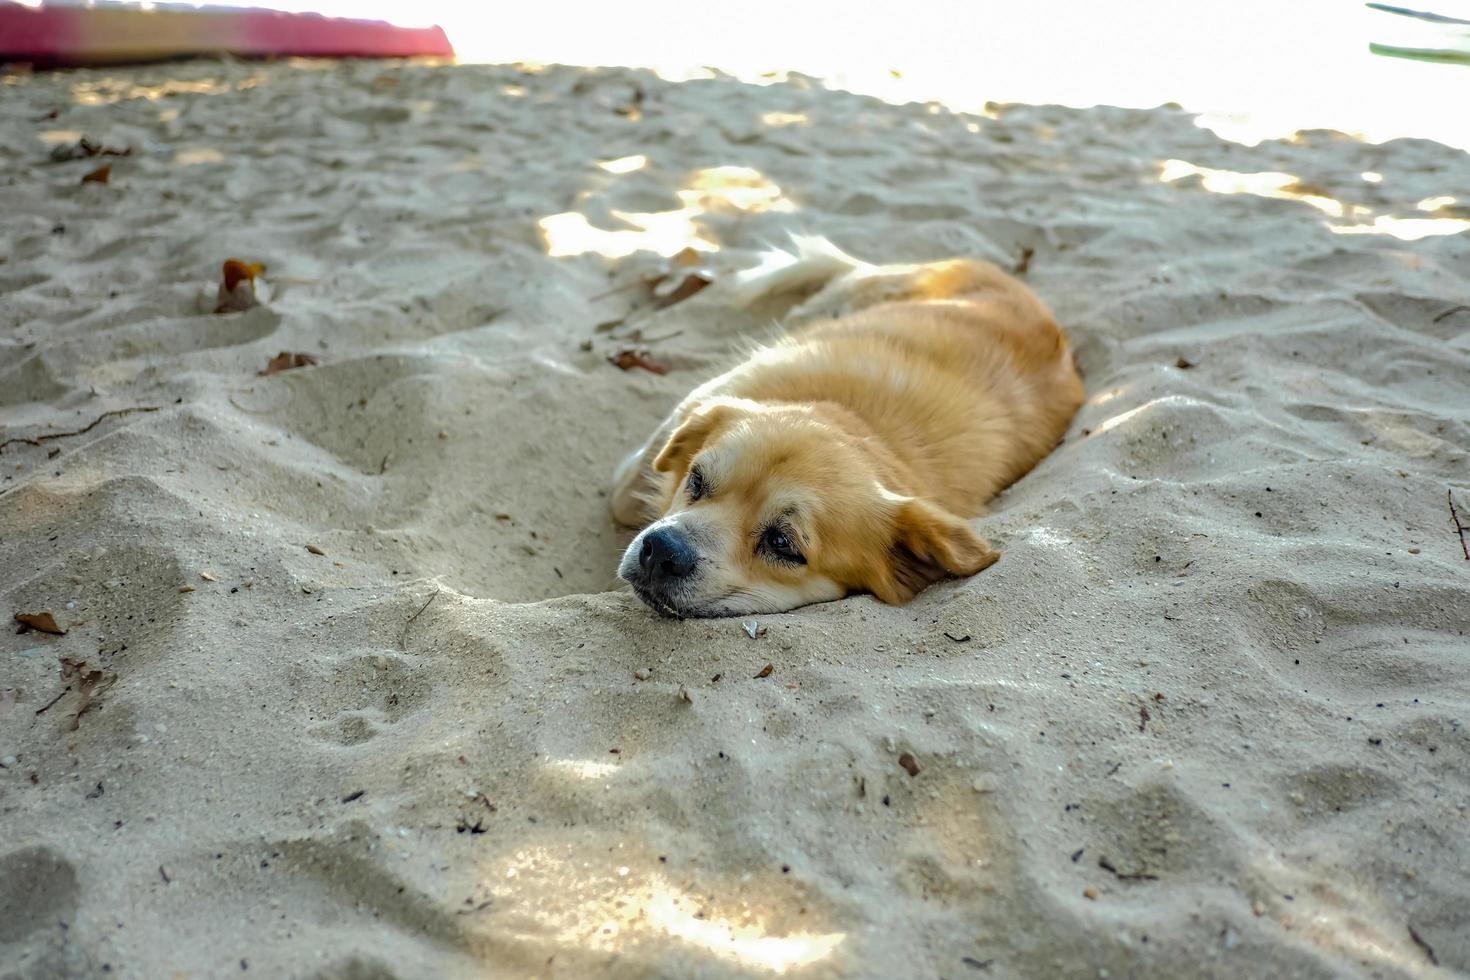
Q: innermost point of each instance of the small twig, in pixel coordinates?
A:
(646, 281)
(249, 411)
(403, 637)
(85, 429)
(1419, 941)
(958, 639)
(667, 336)
(1459, 528)
(1451, 312)
(52, 703)
(422, 608)
(1107, 865)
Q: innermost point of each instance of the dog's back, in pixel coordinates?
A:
(957, 366)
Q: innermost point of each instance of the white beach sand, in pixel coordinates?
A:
(1207, 716)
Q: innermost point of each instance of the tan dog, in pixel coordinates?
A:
(849, 456)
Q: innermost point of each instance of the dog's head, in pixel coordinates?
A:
(768, 508)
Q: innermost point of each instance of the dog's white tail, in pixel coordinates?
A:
(812, 263)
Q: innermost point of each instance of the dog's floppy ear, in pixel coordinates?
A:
(691, 435)
(929, 543)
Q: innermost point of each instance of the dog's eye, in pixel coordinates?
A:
(779, 545)
(694, 486)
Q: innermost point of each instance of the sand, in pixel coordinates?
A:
(369, 702)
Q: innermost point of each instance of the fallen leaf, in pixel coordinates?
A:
(236, 271)
(766, 670)
(237, 286)
(98, 176)
(681, 277)
(42, 622)
(1024, 262)
(909, 763)
(674, 290)
(628, 358)
(286, 361)
(315, 550)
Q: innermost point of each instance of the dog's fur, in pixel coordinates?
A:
(849, 456)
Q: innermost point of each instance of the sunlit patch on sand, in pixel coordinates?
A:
(59, 135)
(583, 768)
(740, 188)
(106, 91)
(204, 154)
(1108, 394)
(624, 165)
(1283, 186)
(711, 190)
(1405, 229)
(776, 120)
(1340, 918)
(617, 909)
(663, 232)
(1267, 183)
(1124, 417)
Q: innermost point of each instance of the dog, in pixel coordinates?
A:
(851, 455)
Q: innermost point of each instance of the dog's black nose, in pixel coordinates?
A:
(666, 555)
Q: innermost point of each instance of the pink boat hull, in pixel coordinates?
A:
(68, 36)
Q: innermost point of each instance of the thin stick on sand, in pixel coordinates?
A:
(1459, 528)
(84, 429)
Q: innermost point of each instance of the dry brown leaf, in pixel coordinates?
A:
(673, 290)
(766, 671)
(286, 361)
(41, 622)
(680, 279)
(628, 358)
(237, 286)
(1024, 262)
(236, 270)
(98, 176)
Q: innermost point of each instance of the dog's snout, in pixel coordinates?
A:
(666, 555)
